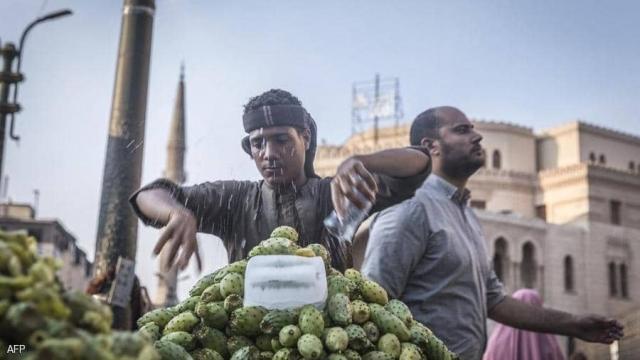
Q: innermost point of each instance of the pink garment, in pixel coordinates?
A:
(507, 343)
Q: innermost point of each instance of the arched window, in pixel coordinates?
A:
(602, 160)
(500, 259)
(624, 291)
(592, 158)
(632, 166)
(568, 273)
(528, 267)
(496, 160)
(613, 287)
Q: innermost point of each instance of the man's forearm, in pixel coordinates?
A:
(524, 316)
(403, 162)
(157, 204)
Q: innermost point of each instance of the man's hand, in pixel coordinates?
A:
(354, 183)
(180, 231)
(594, 328)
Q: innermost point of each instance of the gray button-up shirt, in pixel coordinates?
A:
(430, 253)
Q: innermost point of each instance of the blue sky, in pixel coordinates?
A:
(535, 63)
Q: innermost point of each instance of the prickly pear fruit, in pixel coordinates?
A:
(263, 342)
(372, 331)
(289, 336)
(159, 317)
(188, 304)
(232, 283)
(306, 252)
(275, 320)
(246, 353)
(352, 355)
(374, 293)
(336, 339)
(213, 339)
(337, 357)
(232, 302)
(181, 338)
(246, 320)
(361, 311)
(377, 355)
(339, 284)
(358, 340)
(169, 350)
(206, 354)
(212, 293)
(212, 314)
(321, 251)
(310, 347)
(203, 283)
(400, 310)
(150, 331)
(285, 232)
(390, 344)
(420, 335)
(286, 354)
(411, 352)
(340, 310)
(185, 321)
(354, 275)
(311, 321)
(237, 342)
(388, 323)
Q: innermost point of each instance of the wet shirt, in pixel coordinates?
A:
(243, 213)
(430, 253)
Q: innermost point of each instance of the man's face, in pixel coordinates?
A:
(279, 153)
(460, 153)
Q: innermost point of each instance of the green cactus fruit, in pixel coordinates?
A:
(265, 355)
(203, 283)
(411, 352)
(185, 321)
(311, 321)
(340, 284)
(354, 275)
(232, 302)
(263, 342)
(337, 357)
(246, 353)
(275, 343)
(420, 335)
(289, 336)
(286, 232)
(390, 344)
(246, 320)
(238, 267)
(306, 252)
(286, 354)
(358, 340)
(310, 347)
(181, 338)
(159, 317)
(361, 311)
(275, 320)
(171, 351)
(212, 293)
(187, 305)
(237, 342)
(321, 251)
(210, 338)
(377, 355)
(333, 272)
(126, 343)
(69, 348)
(212, 314)
(400, 310)
(374, 293)
(23, 319)
(336, 339)
(389, 323)
(352, 355)
(150, 331)
(340, 310)
(205, 354)
(372, 331)
(232, 283)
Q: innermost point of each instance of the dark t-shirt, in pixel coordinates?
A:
(243, 213)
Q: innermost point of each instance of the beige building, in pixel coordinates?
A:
(53, 240)
(560, 210)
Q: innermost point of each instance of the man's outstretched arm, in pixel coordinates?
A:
(592, 328)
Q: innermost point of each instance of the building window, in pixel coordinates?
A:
(614, 212)
(496, 160)
(613, 288)
(623, 281)
(632, 166)
(528, 267)
(541, 212)
(592, 158)
(602, 160)
(478, 204)
(568, 273)
(500, 263)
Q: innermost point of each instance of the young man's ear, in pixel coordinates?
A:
(431, 145)
(306, 136)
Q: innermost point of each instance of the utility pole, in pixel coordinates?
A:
(117, 224)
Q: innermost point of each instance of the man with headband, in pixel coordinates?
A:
(282, 142)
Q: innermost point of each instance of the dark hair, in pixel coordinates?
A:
(272, 97)
(426, 125)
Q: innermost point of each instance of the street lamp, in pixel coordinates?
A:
(8, 78)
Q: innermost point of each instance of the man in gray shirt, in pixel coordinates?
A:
(429, 251)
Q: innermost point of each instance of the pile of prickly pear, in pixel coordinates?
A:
(51, 323)
(359, 322)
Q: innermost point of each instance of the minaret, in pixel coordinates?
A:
(168, 277)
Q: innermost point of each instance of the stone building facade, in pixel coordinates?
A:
(560, 210)
(53, 240)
